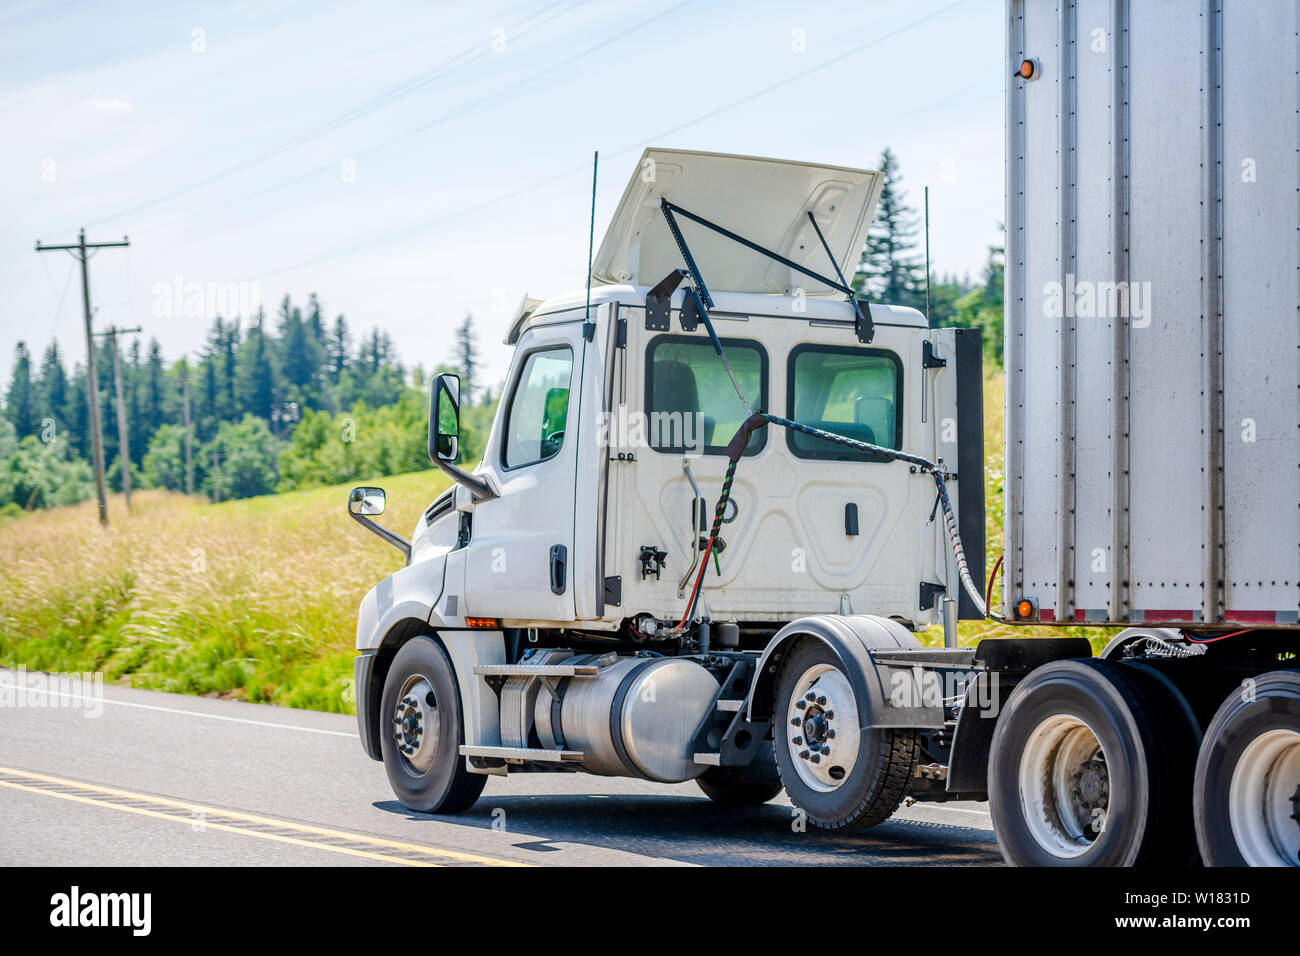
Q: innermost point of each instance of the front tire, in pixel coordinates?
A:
(421, 728)
(1091, 766)
(1247, 789)
(858, 777)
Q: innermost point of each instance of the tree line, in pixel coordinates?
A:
(252, 387)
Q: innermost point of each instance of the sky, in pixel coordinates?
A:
(412, 162)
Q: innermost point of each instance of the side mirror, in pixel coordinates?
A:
(366, 501)
(444, 436)
(444, 418)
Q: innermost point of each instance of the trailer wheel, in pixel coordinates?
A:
(1247, 792)
(1090, 766)
(840, 775)
(421, 729)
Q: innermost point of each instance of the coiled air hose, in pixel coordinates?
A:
(758, 420)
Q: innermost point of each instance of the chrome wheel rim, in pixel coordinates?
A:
(822, 733)
(1064, 786)
(416, 724)
(1264, 799)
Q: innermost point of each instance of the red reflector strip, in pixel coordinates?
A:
(1251, 617)
(1155, 615)
(1046, 614)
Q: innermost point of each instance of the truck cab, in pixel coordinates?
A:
(615, 586)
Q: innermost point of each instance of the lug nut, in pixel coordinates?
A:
(801, 704)
(826, 750)
(830, 734)
(830, 715)
(796, 721)
(803, 754)
(810, 697)
(797, 740)
(821, 701)
(816, 758)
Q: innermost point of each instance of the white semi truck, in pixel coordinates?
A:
(722, 493)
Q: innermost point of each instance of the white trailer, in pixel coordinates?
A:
(722, 492)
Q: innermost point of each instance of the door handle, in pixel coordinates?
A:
(559, 561)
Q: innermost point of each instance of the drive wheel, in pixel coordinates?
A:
(1247, 790)
(421, 730)
(1091, 766)
(840, 775)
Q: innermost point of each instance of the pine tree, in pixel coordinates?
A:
(256, 373)
(53, 392)
(890, 269)
(154, 390)
(336, 350)
(467, 357)
(301, 356)
(20, 399)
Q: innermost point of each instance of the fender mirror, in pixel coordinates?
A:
(366, 501)
(444, 419)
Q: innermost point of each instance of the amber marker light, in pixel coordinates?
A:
(1028, 70)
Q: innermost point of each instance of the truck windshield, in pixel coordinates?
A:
(851, 392)
(538, 408)
(691, 404)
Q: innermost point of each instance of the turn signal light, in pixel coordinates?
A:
(488, 622)
(1028, 70)
(1024, 609)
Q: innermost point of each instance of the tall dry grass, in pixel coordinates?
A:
(254, 599)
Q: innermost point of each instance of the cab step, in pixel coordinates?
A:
(522, 754)
(538, 670)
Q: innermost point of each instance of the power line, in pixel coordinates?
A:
(424, 127)
(383, 99)
(388, 237)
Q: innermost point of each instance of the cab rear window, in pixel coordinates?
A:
(852, 392)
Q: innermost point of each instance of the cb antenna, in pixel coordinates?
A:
(588, 326)
(928, 321)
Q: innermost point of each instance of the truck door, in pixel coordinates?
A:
(521, 546)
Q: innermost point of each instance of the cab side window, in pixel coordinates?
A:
(538, 408)
(852, 392)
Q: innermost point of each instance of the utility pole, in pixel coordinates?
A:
(82, 250)
(185, 404)
(123, 442)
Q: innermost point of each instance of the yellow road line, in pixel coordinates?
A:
(192, 808)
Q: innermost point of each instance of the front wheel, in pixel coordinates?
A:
(840, 775)
(421, 728)
(1247, 790)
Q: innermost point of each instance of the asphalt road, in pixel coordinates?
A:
(166, 779)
